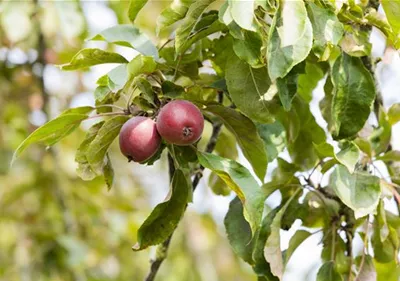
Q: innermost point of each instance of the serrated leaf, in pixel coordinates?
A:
(242, 12)
(134, 8)
(247, 87)
(128, 36)
(98, 147)
(299, 237)
(326, 27)
(290, 38)
(175, 12)
(238, 231)
(360, 191)
(272, 250)
(165, 217)
(89, 57)
(56, 129)
(239, 179)
(354, 93)
(327, 272)
(188, 24)
(246, 135)
(141, 65)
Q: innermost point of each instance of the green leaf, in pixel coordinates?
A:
(247, 87)
(359, 191)
(89, 57)
(394, 113)
(302, 131)
(392, 11)
(239, 179)
(381, 136)
(207, 25)
(84, 170)
(134, 8)
(274, 138)
(290, 38)
(246, 135)
(239, 231)
(165, 216)
(242, 12)
(387, 250)
(98, 147)
(354, 93)
(141, 65)
(175, 12)
(188, 24)
(272, 250)
(356, 42)
(56, 129)
(261, 267)
(308, 81)
(392, 155)
(249, 49)
(381, 221)
(299, 237)
(327, 272)
(115, 79)
(348, 156)
(218, 186)
(387, 271)
(287, 88)
(128, 36)
(326, 27)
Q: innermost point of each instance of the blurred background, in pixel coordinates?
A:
(53, 225)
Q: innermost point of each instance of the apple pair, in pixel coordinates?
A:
(179, 122)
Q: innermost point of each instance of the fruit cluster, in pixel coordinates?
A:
(179, 122)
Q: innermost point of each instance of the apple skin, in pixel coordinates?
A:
(180, 122)
(139, 139)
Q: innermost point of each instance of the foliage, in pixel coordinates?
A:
(263, 60)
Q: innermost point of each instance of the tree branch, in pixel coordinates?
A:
(162, 249)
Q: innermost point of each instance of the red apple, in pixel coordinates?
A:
(180, 122)
(139, 139)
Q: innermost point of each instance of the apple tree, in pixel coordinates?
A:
(250, 68)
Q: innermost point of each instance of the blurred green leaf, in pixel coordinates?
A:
(299, 237)
(327, 272)
(134, 8)
(128, 36)
(56, 129)
(165, 216)
(392, 11)
(242, 12)
(394, 113)
(175, 12)
(274, 139)
(89, 57)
